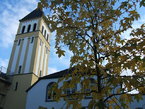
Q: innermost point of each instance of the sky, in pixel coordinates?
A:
(14, 10)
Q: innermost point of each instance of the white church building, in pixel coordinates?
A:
(37, 94)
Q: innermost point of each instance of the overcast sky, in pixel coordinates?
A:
(11, 11)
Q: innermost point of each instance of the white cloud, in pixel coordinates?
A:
(31, 1)
(10, 16)
(52, 70)
(56, 62)
(3, 65)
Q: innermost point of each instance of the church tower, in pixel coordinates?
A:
(31, 46)
(29, 57)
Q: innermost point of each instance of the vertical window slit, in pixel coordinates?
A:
(19, 41)
(45, 33)
(32, 39)
(23, 29)
(19, 71)
(16, 86)
(29, 27)
(34, 27)
(42, 29)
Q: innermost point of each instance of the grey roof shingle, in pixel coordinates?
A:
(37, 13)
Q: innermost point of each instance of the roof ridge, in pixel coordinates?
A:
(37, 13)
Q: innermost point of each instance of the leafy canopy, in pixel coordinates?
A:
(92, 30)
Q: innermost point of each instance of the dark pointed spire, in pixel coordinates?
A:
(37, 13)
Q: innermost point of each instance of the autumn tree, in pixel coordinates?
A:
(93, 31)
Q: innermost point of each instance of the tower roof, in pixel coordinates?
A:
(37, 13)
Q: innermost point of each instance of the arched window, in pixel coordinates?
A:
(45, 33)
(50, 94)
(19, 42)
(29, 27)
(34, 27)
(23, 29)
(42, 29)
(47, 37)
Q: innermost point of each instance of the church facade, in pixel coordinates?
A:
(27, 82)
(40, 97)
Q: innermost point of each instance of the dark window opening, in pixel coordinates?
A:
(69, 91)
(19, 41)
(45, 33)
(29, 27)
(42, 29)
(16, 86)
(40, 73)
(47, 37)
(19, 71)
(89, 88)
(23, 29)
(32, 39)
(34, 27)
(50, 93)
(84, 107)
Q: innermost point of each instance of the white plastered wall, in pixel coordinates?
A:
(36, 97)
(14, 61)
(29, 56)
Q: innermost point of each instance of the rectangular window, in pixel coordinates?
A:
(32, 39)
(19, 42)
(40, 73)
(19, 71)
(70, 91)
(90, 87)
(16, 86)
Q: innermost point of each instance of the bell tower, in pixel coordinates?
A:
(29, 57)
(31, 46)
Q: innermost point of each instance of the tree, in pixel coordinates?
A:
(92, 30)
